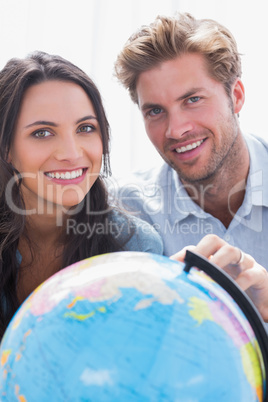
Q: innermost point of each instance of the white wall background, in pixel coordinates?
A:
(90, 33)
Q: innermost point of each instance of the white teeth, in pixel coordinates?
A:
(66, 176)
(189, 147)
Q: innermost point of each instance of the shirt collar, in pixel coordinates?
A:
(183, 204)
(257, 182)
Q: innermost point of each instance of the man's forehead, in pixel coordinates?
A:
(177, 79)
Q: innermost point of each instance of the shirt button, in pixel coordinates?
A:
(227, 237)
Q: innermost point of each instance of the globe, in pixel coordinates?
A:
(130, 326)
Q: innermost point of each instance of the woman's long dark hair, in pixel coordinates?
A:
(15, 78)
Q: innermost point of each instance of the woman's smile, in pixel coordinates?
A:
(73, 174)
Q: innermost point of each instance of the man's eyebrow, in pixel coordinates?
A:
(146, 106)
(189, 93)
(186, 95)
(52, 124)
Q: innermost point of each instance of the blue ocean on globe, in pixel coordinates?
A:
(130, 326)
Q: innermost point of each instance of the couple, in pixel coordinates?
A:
(55, 151)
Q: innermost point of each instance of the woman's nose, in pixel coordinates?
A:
(69, 149)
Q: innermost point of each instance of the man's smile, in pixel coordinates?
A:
(189, 147)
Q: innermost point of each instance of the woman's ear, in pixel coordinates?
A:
(9, 158)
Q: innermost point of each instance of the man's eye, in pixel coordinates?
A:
(42, 134)
(155, 111)
(194, 99)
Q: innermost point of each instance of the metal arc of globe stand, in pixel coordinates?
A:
(240, 297)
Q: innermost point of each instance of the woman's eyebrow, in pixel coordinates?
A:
(89, 117)
(41, 122)
(51, 123)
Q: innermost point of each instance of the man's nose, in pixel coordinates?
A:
(179, 123)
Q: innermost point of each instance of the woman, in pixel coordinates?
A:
(54, 139)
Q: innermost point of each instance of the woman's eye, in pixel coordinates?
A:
(194, 99)
(42, 134)
(86, 129)
(155, 111)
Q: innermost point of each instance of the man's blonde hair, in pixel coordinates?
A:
(169, 37)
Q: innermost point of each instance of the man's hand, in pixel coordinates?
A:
(248, 274)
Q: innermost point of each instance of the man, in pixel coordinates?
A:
(185, 76)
